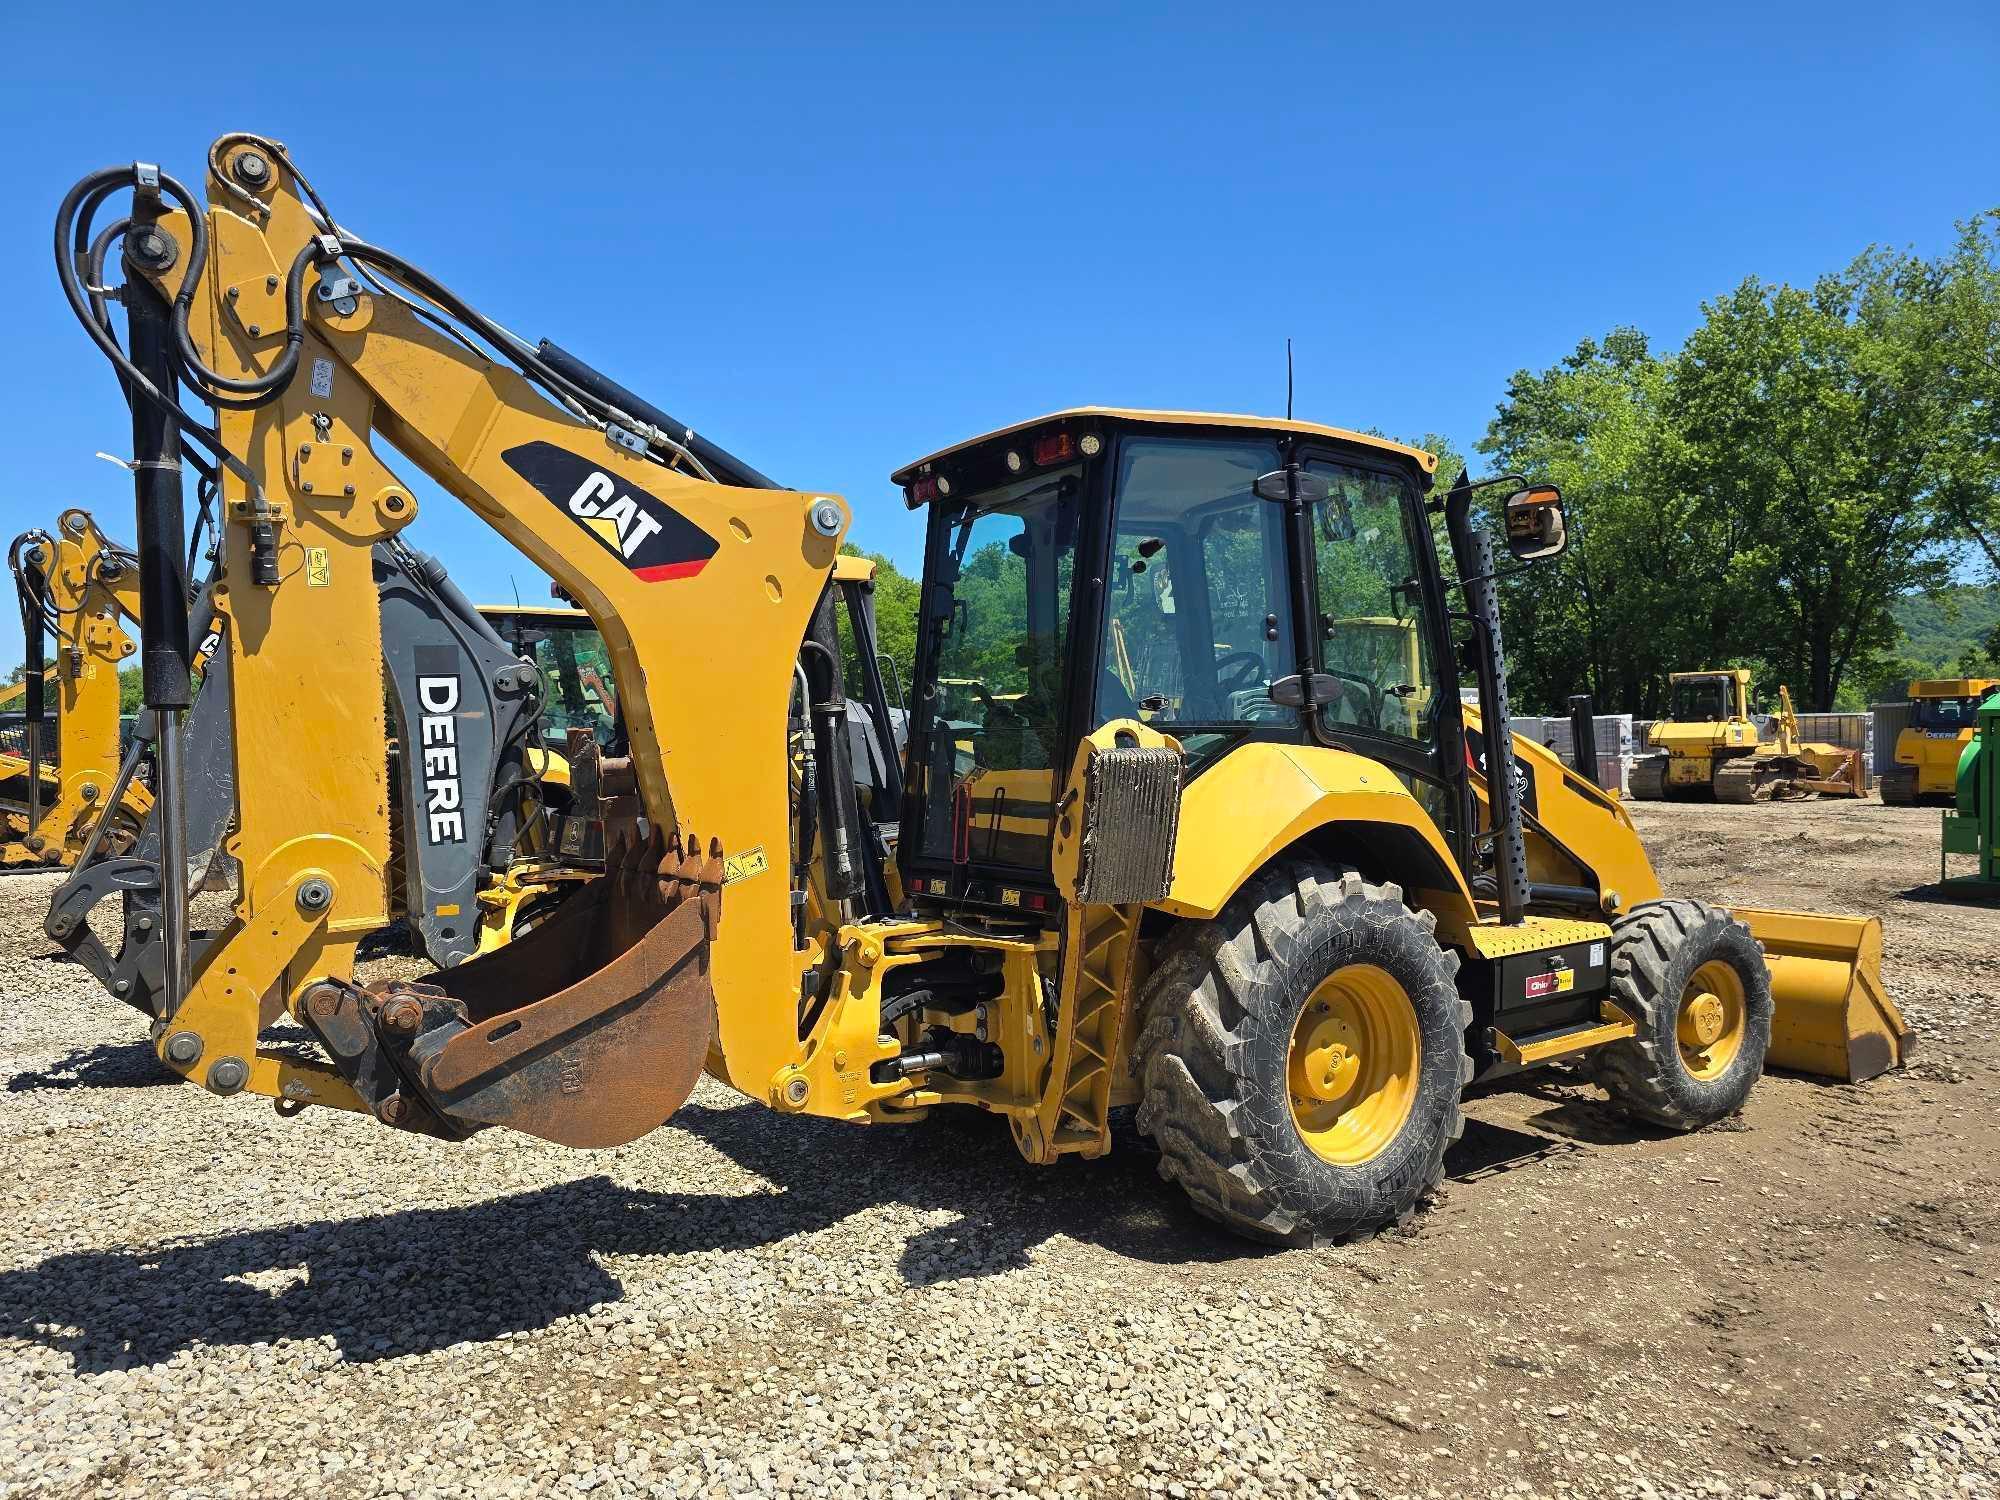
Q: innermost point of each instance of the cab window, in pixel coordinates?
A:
(1372, 640)
(1198, 624)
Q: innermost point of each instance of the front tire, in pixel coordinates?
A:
(1302, 1057)
(1695, 981)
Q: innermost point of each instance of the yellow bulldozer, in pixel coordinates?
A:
(81, 590)
(1709, 748)
(1288, 923)
(1944, 716)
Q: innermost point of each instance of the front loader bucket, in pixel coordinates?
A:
(1831, 1015)
(591, 1029)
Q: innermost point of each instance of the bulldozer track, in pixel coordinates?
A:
(1649, 779)
(1741, 782)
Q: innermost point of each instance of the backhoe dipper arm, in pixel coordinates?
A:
(702, 592)
(79, 588)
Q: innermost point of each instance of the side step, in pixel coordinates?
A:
(1613, 1025)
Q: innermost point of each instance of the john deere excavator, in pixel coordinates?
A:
(1709, 747)
(80, 589)
(1291, 937)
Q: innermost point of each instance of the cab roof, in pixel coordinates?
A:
(1952, 687)
(1424, 460)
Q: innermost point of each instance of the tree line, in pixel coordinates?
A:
(1769, 493)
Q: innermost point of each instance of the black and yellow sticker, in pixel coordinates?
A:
(742, 866)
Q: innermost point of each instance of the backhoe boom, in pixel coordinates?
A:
(702, 592)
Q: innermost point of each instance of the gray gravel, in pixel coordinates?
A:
(199, 1298)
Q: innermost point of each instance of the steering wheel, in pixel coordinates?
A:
(1237, 670)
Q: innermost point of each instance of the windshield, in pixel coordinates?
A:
(1946, 714)
(1199, 621)
(1699, 700)
(577, 686)
(987, 714)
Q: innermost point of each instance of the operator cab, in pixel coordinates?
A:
(1703, 699)
(577, 683)
(1948, 715)
(1097, 565)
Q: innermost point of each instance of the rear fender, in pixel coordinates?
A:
(1261, 799)
(1590, 838)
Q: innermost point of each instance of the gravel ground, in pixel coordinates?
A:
(197, 1297)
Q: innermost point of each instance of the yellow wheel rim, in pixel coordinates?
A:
(1352, 1069)
(1709, 1027)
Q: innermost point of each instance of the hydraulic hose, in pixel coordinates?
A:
(31, 588)
(833, 771)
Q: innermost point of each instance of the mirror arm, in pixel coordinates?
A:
(1498, 573)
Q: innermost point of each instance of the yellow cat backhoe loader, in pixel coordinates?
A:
(1290, 937)
(80, 589)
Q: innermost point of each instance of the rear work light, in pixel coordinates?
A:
(1054, 447)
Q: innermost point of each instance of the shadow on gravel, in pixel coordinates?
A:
(1937, 894)
(109, 1065)
(1487, 1150)
(424, 1278)
(1579, 1117)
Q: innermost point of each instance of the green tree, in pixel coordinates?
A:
(1812, 417)
(896, 599)
(1956, 333)
(1648, 583)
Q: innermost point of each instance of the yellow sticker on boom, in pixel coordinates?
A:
(742, 866)
(319, 568)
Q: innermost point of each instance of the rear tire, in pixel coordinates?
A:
(1302, 1057)
(1695, 981)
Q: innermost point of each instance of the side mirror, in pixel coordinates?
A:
(1535, 526)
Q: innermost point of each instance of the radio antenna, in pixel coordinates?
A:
(1288, 380)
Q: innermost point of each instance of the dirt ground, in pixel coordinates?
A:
(1799, 1302)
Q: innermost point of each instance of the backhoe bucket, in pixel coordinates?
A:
(1831, 1017)
(590, 1029)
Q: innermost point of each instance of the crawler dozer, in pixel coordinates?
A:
(1291, 937)
(1710, 748)
(81, 589)
(1944, 717)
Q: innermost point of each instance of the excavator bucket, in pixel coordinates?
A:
(1831, 1017)
(592, 1028)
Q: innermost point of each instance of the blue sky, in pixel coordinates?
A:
(834, 239)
